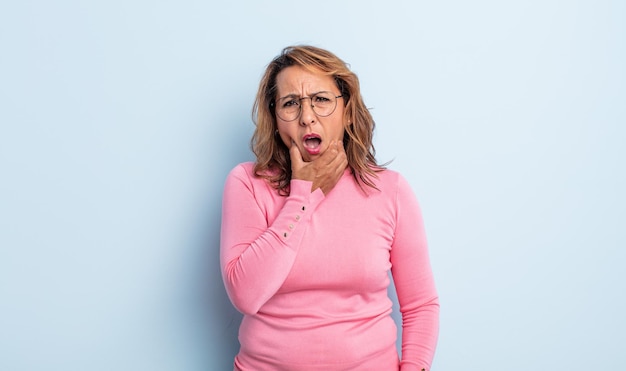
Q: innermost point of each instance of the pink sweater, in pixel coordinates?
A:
(310, 274)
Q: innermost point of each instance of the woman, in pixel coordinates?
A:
(311, 229)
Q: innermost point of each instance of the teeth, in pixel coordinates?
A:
(312, 142)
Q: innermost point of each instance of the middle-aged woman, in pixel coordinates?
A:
(311, 229)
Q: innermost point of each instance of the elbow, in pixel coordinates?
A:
(244, 305)
(433, 302)
(244, 294)
(430, 305)
(244, 300)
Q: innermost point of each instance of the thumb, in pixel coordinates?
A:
(296, 156)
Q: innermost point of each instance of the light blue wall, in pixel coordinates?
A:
(119, 121)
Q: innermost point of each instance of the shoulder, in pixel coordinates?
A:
(242, 175)
(246, 169)
(242, 170)
(388, 178)
(392, 182)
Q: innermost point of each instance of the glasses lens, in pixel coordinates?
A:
(288, 108)
(323, 104)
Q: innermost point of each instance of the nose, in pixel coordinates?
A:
(307, 115)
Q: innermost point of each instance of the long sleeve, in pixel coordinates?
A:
(255, 256)
(413, 278)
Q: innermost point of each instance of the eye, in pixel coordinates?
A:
(290, 103)
(321, 99)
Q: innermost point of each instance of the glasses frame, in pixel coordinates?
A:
(276, 108)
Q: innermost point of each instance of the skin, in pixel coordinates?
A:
(325, 168)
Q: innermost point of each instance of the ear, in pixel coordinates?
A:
(347, 120)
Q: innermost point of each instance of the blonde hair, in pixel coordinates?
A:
(272, 155)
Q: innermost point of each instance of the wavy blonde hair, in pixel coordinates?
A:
(272, 155)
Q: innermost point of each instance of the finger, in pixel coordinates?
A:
(340, 147)
(330, 154)
(295, 155)
(340, 154)
(342, 160)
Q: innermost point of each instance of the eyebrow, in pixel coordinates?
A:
(299, 96)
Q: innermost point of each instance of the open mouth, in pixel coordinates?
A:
(312, 143)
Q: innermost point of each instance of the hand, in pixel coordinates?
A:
(324, 171)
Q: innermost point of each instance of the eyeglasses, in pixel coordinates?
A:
(323, 104)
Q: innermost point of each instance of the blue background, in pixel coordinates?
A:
(119, 121)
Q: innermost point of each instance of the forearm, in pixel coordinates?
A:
(420, 329)
(257, 257)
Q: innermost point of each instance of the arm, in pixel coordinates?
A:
(256, 257)
(413, 278)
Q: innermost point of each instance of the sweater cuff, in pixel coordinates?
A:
(296, 213)
(302, 189)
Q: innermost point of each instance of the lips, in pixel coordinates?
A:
(312, 143)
